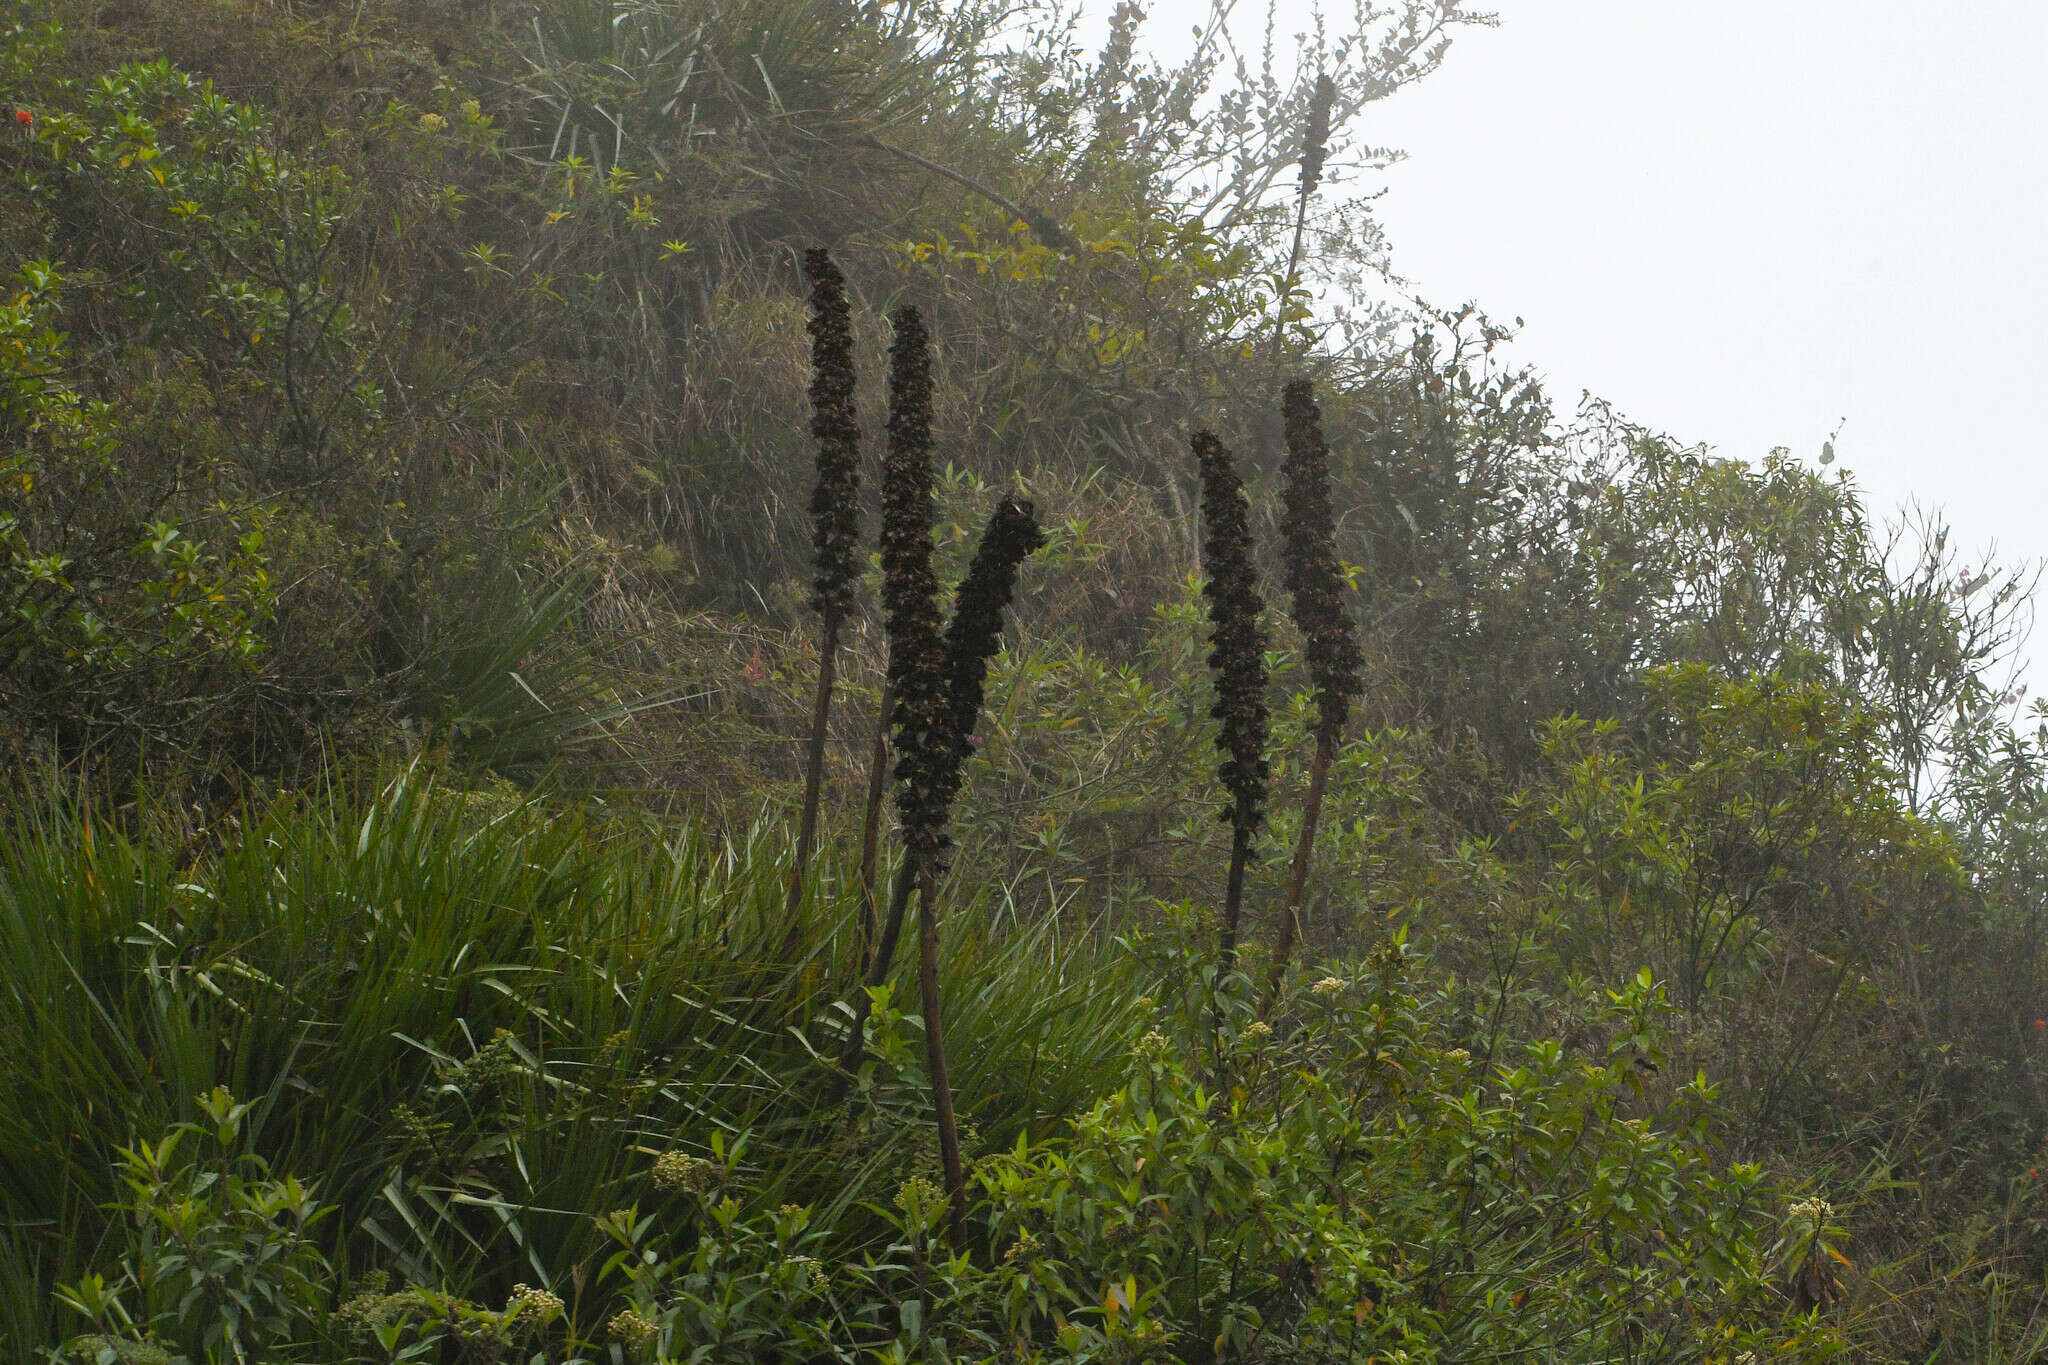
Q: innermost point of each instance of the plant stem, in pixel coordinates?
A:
(871, 821)
(1288, 283)
(878, 972)
(935, 1056)
(814, 776)
(1297, 877)
(1233, 896)
(1041, 224)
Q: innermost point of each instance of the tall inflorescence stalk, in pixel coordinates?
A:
(936, 682)
(1329, 637)
(1237, 659)
(915, 687)
(910, 590)
(971, 640)
(1315, 154)
(835, 529)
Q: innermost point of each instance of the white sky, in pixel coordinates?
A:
(1743, 221)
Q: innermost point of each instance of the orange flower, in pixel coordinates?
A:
(23, 116)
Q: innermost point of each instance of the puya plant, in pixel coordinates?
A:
(935, 684)
(1315, 583)
(1237, 659)
(835, 533)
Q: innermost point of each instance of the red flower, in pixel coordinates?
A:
(2041, 1023)
(24, 116)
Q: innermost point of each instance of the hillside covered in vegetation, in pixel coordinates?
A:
(626, 626)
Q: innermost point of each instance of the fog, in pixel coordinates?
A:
(1749, 224)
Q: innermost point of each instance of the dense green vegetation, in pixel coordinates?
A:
(408, 666)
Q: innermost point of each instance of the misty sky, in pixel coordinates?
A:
(1744, 221)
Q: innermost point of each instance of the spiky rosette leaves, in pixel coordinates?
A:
(1237, 642)
(921, 714)
(1330, 639)
(977, 625)
(835, 510)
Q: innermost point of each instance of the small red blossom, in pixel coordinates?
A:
(2041, 1023)
(24, 117)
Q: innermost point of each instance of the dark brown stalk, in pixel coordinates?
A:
(1241, 843)
(871, 824)
(835, 534)
(1237, 661)
(935, 1057)
(1329, 638)
(971, 640)
(1297, 875)
(855, 1049)
(814, 773)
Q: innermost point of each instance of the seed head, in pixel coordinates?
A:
(921, 716)
(1329, 636)
(835, 510)
(977, 625)
(1315, 142)
(1237, 649)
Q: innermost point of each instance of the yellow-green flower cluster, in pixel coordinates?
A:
(630, 1330)
(681, 1171)
(537, 1306)
(1024, 1250)
(918, 1197)
(1809, 1215)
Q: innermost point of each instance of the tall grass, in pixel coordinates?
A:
(474, 1024)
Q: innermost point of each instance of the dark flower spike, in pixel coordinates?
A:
(1237, 651)
(1329, 639)
(1312, 575)
(920, 715)
(977, 625)
(1237, 659)
(835, 510)
(910, 588)
(1315, 146)
(835, 533)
